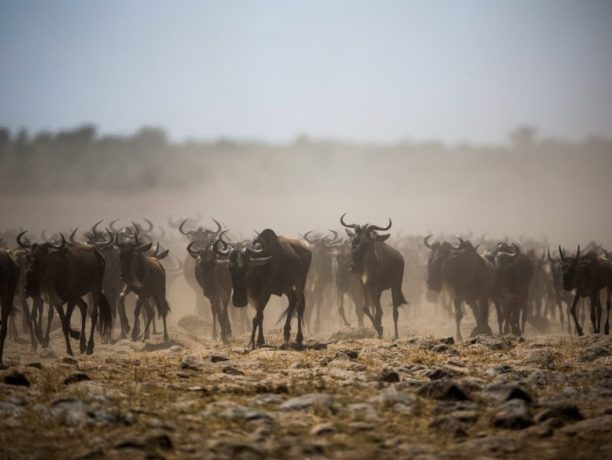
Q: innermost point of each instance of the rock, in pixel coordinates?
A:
(501, 392)
(449, 426)
(543, 359)
(492, 343)
(35, 365)
(443, 390)
(74, 378)
(447, 340)
(347, 354)
(443, 348)
(218, 358)
(390, 396)
(514, 415)
(193, 324)
(160, 441)
(238, 412)
(323, 428)
(590, 427)
(16, 378)
(442, 373)
(47, 353)
(69, 360)
(362, 411)
(191, 362)
(76, 413)
(308, 401)
(354, 334)
(231, 370)
(266, 398)
(497, 445)
(561, 414)
(595, 352)
(389, 375)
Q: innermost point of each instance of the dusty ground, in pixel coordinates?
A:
(348, 396)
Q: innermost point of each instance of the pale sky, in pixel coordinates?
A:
(271, 70)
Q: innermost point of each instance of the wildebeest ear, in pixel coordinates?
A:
(162, 255)
(382, 237)
(256, 261)
(144, 247)
(349, 232)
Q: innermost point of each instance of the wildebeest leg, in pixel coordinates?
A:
(25, 309)
(375, 296)
(500, 317)
(599, 311)
(301, 306)
(225, 318)
(136, 329)
(458, 317)
(94, 321)
(608, 306)
(593, 299)
(163, 308)
(5, 307)
(291, 296)
(82, 342)
(65, 327)
(213, 312)
(573, 313)
(125, 324)
(341, 309)
(51, 312)
(147, 318)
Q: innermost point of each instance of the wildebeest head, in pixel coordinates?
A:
(239, 262)
(36, 259)
(128, 250)
(363, 237)
(201, 234)
(568, 268)
(439, 251)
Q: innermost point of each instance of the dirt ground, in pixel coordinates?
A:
(348, 395)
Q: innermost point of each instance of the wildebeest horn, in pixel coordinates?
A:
(94, 228)
(219, 226)
(24, 243)
(426, 241)
(578, 252)
(192, 252)
(380, 229)
(111, 224)
(517, 249)
(72, 236)
(222, 252)
(188, 233)
(311, 241)
(150, 224)
(548, 255)
(254, 252)
(353, 226)
(335, 238)
(110, 242)
(561, 254)
(62, 243)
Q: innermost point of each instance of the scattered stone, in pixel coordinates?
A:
(16, 378)
(35, 365)
(443, 348)
(595, 352)
(390, 397)
(69, 360)
(443, 390)
(159, 440)
(192, 363)
(389, 375)
(74, 378)
(501, 392)
(590, 427)
(308, 401)
(347, 354)
(561, 414)
(322, 429)
(514, 415)
(447, 340)
(354, 334)
(492, 343)
(218, 358)
(362, 410)
(193, 324)
(231, 370)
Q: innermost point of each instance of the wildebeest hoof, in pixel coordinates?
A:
(90, 349)
(75, 334)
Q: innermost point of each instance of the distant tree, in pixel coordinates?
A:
(524, 137)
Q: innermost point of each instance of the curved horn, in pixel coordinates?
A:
(311, 241)
(426, 241)
(192, 252)
(150, 224)
(561, 254)
(222, 252)
(156, 249)
(517, 249)
(94, 228)
(111, 225)
(353, 226)
(62, 243)
(381, 229)
(187, 233)
(219, 226)
(110, 242)
(25, 243)
(72, 236)
(335, 238)
(578, 252)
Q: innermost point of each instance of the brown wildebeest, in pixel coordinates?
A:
(380, 267)
(466, 276)
(216, 283)
(63, 274)
(588, 275)
(279, 266)
(143, 275)
(9, 277)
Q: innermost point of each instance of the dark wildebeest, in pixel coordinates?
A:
(380, 267)
(466, 276)
(347, 282)
(63, 274)
(588, 275)
(216, 283)
(278, 266)
(320, 277)
(144, 275)
(30, 317)
(556, 293)
(513, 275)
(9, 277)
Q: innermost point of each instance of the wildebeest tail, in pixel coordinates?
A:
(282, 316)
(163, 308)
(398, 297)
(105, 315)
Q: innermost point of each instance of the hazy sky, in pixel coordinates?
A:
(375, 70)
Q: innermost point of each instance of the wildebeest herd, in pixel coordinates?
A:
(98, 270)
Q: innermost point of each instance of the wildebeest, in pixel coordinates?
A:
(63, 274)
(347, 282)
(380, 267)
(215, 281)
(513, 275)
(466, 276)
(588, 275)
(143, 275)
(275, 265)
(9, 277)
